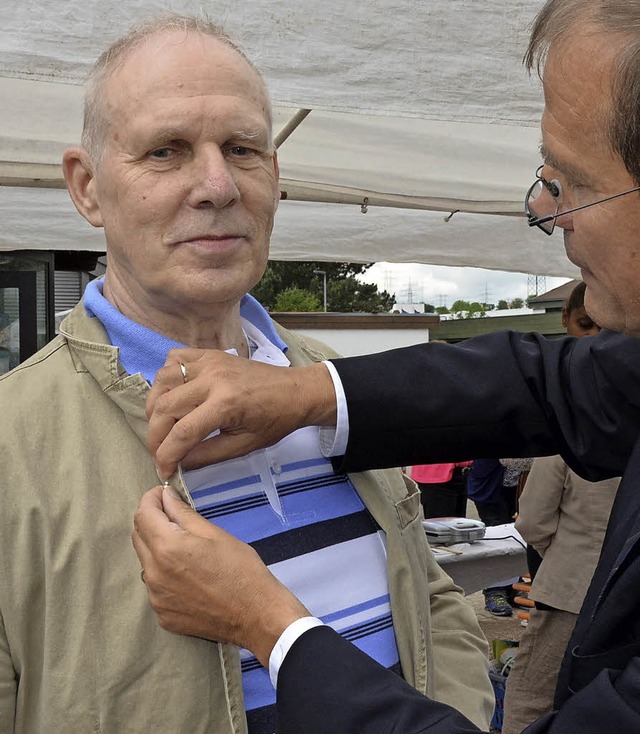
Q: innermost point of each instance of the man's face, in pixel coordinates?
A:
(603, 240)
(577, 322)
(187, 186)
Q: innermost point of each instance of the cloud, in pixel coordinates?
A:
(442, 285)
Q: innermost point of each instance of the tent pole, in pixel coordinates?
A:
(290, 126)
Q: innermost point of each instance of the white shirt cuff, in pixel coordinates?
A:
(333, 440)
(285, 641)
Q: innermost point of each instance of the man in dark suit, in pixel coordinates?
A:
(506, 394)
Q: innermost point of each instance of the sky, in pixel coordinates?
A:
(441, 285)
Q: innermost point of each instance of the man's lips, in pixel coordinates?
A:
(212, 238)
(211, 243)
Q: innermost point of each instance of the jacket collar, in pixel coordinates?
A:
(91, 352)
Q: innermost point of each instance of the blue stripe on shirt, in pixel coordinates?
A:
(284, 499)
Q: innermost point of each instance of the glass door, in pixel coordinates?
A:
(26, 306)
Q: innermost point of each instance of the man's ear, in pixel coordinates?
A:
(565, 317)
(79, 175)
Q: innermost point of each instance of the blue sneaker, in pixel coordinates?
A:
(497, 603)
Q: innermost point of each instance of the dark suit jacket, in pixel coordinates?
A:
(505, 394)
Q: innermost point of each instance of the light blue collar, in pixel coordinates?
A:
(145, 351)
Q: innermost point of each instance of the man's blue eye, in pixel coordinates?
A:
(239, 150)
(161, 153)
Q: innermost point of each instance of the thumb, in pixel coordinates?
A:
(181, 514)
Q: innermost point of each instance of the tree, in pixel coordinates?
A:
(296, 299)
(429, 308)
(517, 303)
(350, 295)
(344, 292)
(502, 305)
(468, 310)
(442, 310)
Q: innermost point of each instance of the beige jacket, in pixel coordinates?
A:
(80, 649)
(564, 517)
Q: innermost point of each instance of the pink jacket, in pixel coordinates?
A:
(435, 473)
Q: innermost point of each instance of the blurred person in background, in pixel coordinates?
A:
(563, 518)
(443, 488)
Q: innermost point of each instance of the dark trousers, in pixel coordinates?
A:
(500, 512)
(447, 499)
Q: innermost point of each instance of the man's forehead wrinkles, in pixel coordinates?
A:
(249, 135)
(191, 129)
(563, 166)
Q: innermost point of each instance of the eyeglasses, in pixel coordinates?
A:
(543, 200)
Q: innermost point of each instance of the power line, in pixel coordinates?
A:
(536, 285)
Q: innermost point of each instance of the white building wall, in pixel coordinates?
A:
(355, 342)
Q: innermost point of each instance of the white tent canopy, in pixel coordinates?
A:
(419, 108)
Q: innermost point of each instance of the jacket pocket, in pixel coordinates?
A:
(408, 508)
(584, 668)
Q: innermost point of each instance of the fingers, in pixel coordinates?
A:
(176, 429)
(151, 525)
(184, 416)
(170, 376)
(150, 519)
(214, 587)
(167, 420)
(150, 504)
(186, 518)
(160, 515)
(251, 404)
(183, 444)
(171, 399)
(223, 447)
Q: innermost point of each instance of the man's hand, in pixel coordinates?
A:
(204, 582)
(253, 405)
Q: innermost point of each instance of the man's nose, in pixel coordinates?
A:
(213, 182)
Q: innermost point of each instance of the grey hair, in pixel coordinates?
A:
(557, 19)
(95, 125)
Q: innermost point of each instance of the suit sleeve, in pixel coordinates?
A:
(503, 394)
(611, 702)
(7, 684)
(327, 685)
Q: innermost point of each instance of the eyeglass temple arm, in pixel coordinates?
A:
(535, 221)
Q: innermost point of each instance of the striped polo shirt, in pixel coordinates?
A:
(311, 528)
(306, 521)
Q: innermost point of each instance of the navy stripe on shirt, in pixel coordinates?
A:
(300, 541)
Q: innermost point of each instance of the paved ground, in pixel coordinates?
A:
(495, 628)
